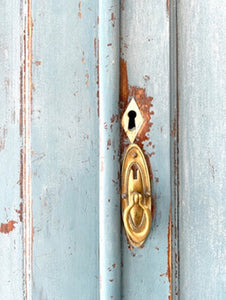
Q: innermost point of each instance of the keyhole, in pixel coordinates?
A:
(134, 169)
(132, 115)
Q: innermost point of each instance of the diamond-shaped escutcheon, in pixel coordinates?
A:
(132, 120)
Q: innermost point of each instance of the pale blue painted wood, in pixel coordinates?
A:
(145, 48)
(202, 114)
(11, 227)
(66, 174)
(65, 150)
(109, 205)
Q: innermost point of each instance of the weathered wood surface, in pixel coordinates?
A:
(145, 75)
(11, 144)
(65, 150)
(109, 169)
(202, 114)
(49, 148)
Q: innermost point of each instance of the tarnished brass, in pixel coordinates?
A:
(136, 196)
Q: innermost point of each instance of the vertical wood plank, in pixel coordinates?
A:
(11, 144)
(109, 203)
(202, 113)
(65, 150)
(146, 272)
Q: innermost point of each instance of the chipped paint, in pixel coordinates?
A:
(25, 154)
(108, 144)
(10, 225)
(38, 63)
(144, 102)
(96, 53)
(80, 7)
(3, 134)
(167, 7)
(168, 273)
(7, 227)
(113, 19)
(169, 270)
(20, 212)
(87, 81)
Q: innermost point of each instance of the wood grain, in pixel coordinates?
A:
(65, 150)
(145, 76)
(202, 113)
(11, 144)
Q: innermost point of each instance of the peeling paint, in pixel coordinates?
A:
(144, 103)
(7, 227)
(167, 6)
(96, 53)
(87, 81)
(169, 267)
(25, 155)
(169, 270)
(79, 7)
(38, 63)
(3, 134)
(20, 212)
(108, 144)
(113, 19)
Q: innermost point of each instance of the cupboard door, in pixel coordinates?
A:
(69, 71)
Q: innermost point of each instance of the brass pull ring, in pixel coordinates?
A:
(136, 196)
(137, 235)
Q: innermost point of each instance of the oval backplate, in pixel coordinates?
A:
(136, 196)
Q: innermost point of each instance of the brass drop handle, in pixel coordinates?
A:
(136, 196)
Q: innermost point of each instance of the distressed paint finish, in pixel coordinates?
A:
(65, 150)
(59, 75)
(109, 204)
(11, 144)
(202, 113)
(174, 152)
(145, 75)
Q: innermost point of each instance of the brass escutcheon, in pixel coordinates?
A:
(136, 196)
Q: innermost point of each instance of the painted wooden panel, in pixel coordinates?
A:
(65, 150)
(109, 180)
(11, 146)
(60, 147)
(145, 75)
(202, 113)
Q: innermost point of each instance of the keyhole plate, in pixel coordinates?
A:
(138, 120)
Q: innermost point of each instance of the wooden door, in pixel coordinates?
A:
(68, 71)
